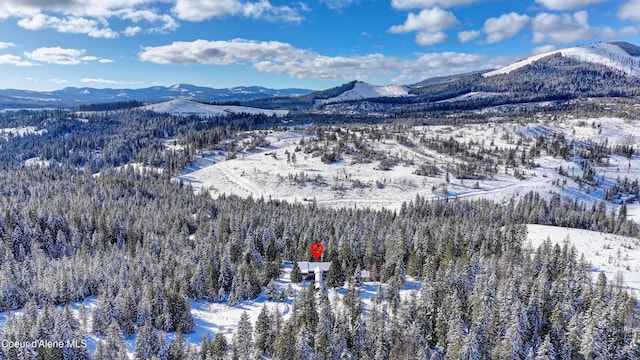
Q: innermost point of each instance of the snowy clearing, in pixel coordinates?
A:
(607, 253)
(269, 171)
(188, 108)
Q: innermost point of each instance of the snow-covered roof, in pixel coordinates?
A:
(309, 266)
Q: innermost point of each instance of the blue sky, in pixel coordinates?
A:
(315, 44)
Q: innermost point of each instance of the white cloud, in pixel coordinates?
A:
(81, 8)
(98, 81)
(9, 59)
(168, 23)
(199, 10)
(630, 10)
(58, 81)
(466, 36)
(132, 30)
(429, 20)
(543, 49)
(4, 45)
(337, 4)
(316, 66)
(429, 25)
(264, 10)
(107, 81)
(218, 52)
(15, 8)
(563, 28)
(92, 17)
(86, 16)
(56, 55)
(61, 56)
(628, 31)
(567, 4)
(283, 58)
(431, 38)
(105, 61)
(504, 27)
(74, 25)
(425, 4)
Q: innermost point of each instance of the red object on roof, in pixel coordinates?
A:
(317, 249)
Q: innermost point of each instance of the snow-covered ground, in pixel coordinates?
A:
(474, 95)
(6, 133)
(211, 318)
(265, 172)
(188, 107)
(363, 90)
(600, 53)
(607, 253)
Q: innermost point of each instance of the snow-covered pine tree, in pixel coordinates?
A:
(264, 337)
(147, 342)
(243, 338)
(219, 347)
(114, 347)
(296, 274)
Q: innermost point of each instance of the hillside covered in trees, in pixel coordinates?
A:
(90, 207)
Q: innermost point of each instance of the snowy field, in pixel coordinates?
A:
(6, 133)
(607, 253)
(188, 107)
(266, 171)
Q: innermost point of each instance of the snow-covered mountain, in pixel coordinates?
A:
(616, 55)
(362, 91)
(72, 96)
(188, 107)
(595, 70)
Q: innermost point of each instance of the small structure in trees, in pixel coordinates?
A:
(314, 270)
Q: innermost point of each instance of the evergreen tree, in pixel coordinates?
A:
(243, 338)
(114, 347)
(147, 342)
(285, 348)
(102, 314)
(176, 350)
(263, 333)
(219, 347)
(296, 274)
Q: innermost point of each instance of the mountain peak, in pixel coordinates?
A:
(620, 56)
(631, 49)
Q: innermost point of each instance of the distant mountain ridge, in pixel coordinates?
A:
(620, 56)
(73, 96)
(595, 70)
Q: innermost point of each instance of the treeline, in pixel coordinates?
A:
(110, 106)
(145, 246)
(95, 141)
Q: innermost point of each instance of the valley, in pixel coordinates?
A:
(491, 213)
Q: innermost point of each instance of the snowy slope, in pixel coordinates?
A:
(363, 90)
(188, 107)
(607, 253)
(601, 53)
(474, 95)
(265, 172)
(211, 318)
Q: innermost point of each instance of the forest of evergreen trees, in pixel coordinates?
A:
(145, 245)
